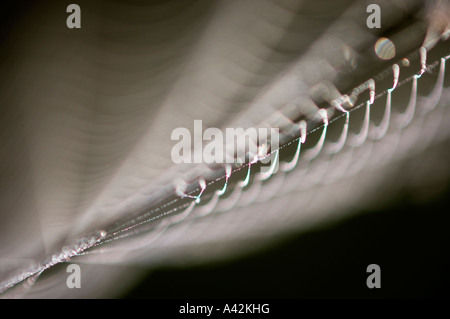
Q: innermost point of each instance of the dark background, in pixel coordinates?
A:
(409, 241)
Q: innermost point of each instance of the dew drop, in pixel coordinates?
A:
(405, 62)
(385, 49)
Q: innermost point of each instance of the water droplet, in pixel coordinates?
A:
(262, 150)
(405, 62)
(239, 162)
(385, 49)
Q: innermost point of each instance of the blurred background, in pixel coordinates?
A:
(85, 122)
(408, 239)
